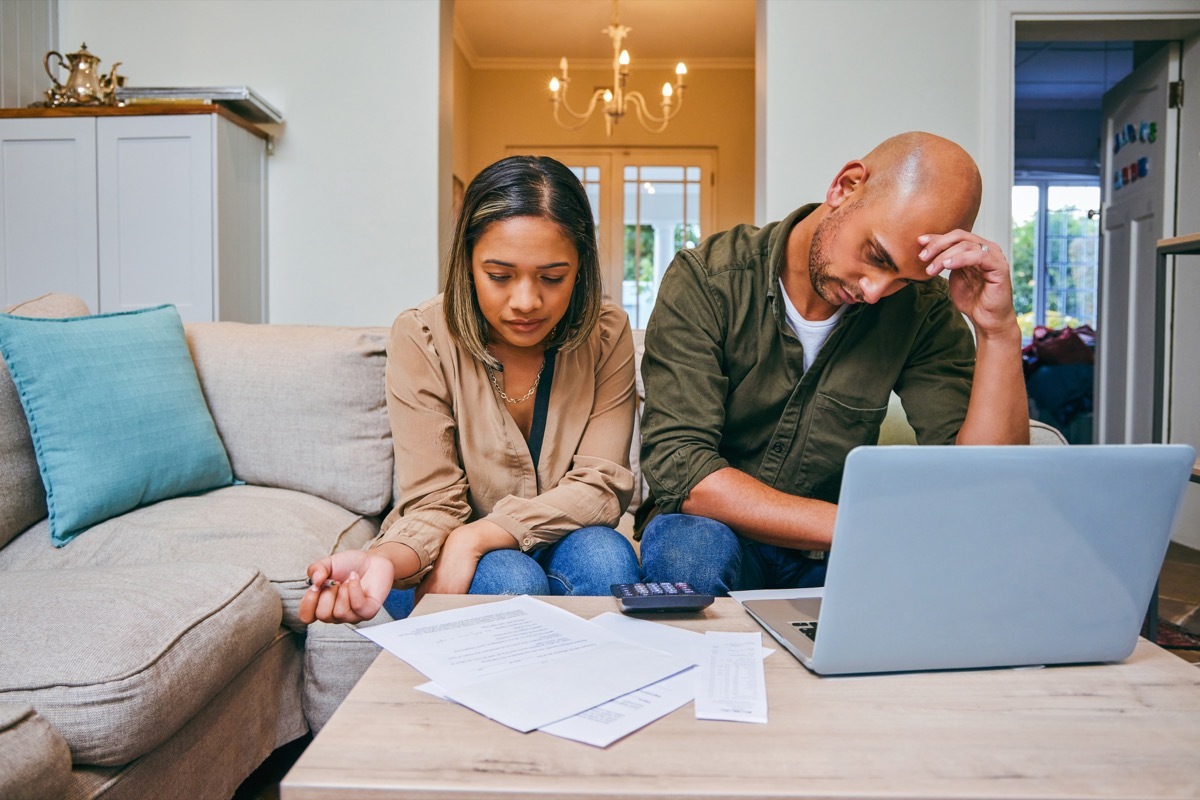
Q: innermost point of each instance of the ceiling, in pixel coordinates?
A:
(1068, 75)
(532, 33)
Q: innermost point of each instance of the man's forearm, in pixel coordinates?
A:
(758, 512)
(998, 411)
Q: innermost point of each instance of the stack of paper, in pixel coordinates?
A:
(531, 665)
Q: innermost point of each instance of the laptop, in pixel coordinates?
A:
(968, 557)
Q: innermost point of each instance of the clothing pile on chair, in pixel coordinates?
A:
(1059, 368)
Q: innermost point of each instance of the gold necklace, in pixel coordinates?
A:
(492, 375)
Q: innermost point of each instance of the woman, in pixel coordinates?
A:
(511, 404)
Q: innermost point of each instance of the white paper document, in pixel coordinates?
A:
(523, 662)
(603, 725)
(616, 719)
(777, 594)
(732, 684)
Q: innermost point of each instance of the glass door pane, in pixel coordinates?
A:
(1071, 255)
(662, 216)
(590, 178)
(1025, 201)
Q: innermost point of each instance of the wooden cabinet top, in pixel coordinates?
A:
(135, 110)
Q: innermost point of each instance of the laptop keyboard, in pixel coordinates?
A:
(809, 629)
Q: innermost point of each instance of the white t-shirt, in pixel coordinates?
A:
(812, 335)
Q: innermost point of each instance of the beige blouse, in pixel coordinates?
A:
(461, 457)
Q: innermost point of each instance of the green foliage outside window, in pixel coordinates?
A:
(639, 261)
(1070, 290)
(686, 236)
(1024, 264)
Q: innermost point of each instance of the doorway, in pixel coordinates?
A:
(1056, 202)
(1122, 398)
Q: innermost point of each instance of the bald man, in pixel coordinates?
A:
(772, 352)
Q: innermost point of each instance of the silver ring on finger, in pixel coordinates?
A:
(984, 249)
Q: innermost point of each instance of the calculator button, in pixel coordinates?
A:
(641, 589)
(655, 588)
(669, 588)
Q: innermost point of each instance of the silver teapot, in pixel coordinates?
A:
(85, 86)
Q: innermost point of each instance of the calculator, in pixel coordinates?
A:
(662, 596)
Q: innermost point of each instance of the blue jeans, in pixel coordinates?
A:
(715, 560)
(585, 562)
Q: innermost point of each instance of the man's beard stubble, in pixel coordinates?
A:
(820, 260)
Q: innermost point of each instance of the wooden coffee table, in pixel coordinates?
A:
(1119, 730)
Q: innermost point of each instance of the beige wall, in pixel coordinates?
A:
(511, 107)
(461, 135)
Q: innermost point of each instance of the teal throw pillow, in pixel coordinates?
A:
(116, 413)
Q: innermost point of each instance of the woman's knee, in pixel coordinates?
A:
(589, 560)
(508, 572)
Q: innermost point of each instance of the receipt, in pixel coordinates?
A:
(731, 682)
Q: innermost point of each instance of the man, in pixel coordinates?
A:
(772, 352)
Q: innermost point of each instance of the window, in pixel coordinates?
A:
(1055, 253)
(648, 204)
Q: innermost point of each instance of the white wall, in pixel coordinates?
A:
(355, 195)
(28, 29)
(840, 77)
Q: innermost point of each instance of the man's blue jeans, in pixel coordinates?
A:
(715, 560)
(585, 562)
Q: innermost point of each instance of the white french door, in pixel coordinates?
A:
(648, 203)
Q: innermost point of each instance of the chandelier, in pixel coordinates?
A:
(617, 100)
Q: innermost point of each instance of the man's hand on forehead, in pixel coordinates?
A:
(980, 278)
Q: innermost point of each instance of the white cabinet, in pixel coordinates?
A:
(131, 210)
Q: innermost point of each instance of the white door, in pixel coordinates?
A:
(1138, 174)
(48, 209)
(155, 191)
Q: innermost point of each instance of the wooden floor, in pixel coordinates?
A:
(1179, 593)
(1178, 602)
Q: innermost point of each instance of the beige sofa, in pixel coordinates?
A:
(159, 654)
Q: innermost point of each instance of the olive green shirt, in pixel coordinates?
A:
(725, 384)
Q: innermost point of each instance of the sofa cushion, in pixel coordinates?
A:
(301, 407)
(117, 659)
(276, 531)
(115, 410)
(35, 761)
(22, 496)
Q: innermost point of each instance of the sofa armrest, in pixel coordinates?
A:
(35, 761)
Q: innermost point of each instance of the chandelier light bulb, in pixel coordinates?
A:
(667, 91)
(554, 85)
(624, 59)
(680, 68)
(608, 95)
